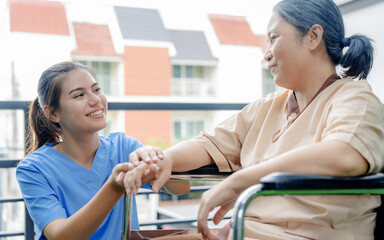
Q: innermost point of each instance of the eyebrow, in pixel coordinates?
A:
(80, 88)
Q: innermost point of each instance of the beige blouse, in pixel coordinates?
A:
(343, 110)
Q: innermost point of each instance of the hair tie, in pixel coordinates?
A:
(346, 42)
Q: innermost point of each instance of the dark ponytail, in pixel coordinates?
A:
(41, 129)
(358, 58)
(303, 14)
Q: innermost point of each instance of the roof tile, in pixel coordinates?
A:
(38, 16)
(236, 30)
(94, 40)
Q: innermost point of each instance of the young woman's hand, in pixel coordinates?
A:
(158, 174)
(148, 154)
(118, 174)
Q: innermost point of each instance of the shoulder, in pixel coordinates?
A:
(275, 100)
(37, 158)
(271, 97)
(354, 90)
(349, 83)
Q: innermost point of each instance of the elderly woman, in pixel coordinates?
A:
(324, 123)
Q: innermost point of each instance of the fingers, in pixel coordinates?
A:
(159, 152)
(120, 177)
(134, 159)
(161, 178)
(132, 180)
(147, 154)
(219, 215)
(139, 175)
(202, 216)
(154, 168)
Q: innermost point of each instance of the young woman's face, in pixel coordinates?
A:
(83, 107)
(285, 54)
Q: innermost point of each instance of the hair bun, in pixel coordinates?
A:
(346, 42)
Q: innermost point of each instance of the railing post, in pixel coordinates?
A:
(29, 226)
(29, 231)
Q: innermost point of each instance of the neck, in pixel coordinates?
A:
(81, 149)
(312, 80)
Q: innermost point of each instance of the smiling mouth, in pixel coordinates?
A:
(95, 113)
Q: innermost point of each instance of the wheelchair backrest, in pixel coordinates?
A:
(379, 229)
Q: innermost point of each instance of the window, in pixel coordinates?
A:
(188, 80)
(103, 74)
(268, 82)
(185, 129)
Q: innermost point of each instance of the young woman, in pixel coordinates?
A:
(71, 180)
(322, 124)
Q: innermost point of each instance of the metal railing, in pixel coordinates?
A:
(141, 104)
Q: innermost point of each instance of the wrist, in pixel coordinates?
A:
(169, 160)
(118, 188)
(241, 181)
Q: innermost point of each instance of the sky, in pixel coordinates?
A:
(191, 12)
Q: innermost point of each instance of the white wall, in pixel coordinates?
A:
(33, 53)
(369, 21)
(239, 73)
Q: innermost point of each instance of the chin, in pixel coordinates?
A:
(281, 83)
(101, 127)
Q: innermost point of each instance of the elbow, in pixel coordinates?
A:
(184, 188)
(59, 230)
(357, 169)
(178, 187)
(353, 163)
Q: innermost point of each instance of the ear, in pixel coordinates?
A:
(50, 115)
(315, 36)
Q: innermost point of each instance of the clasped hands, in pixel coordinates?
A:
(148, 164)
(143, 167)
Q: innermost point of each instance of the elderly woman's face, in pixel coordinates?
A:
(285, 54)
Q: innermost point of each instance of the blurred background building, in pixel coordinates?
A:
(135, 54)
(145, 50)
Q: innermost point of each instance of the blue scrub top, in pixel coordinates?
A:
(53, 186)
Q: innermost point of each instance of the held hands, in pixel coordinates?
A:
(147, 154)
(146, 164)
(118, 174)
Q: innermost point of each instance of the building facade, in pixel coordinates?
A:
(135, 54)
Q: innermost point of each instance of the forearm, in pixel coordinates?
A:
(187, 155)
(85, 222)
(181, 157)
(328, 158)
(332, 158)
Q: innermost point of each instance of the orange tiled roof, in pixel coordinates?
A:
(38, 16)
(236, 30)
(93, 40)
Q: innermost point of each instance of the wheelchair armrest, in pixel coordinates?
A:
(301, 184)
(280, 181)
(209, 172)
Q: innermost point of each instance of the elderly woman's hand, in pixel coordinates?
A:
(139, 175)
(223, 195)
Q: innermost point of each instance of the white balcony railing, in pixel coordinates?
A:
(192, 87)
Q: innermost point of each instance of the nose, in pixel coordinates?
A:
(268, 56)
(94, 99)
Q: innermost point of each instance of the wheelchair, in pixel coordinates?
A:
(275, 184)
